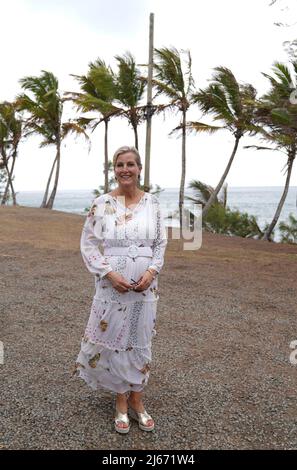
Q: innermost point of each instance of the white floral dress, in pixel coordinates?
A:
(115, 350)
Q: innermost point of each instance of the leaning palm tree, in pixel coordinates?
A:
(129, 92)
(202, 193)
(11, 132)
(98, 92)
(232, 104)
(44, 108)
(173, 78)
(220, 218)
(277, 113)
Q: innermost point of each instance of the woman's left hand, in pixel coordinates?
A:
(144, 282)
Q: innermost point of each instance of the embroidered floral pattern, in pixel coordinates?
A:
(146, 368)
(93, 361)
(103, 325)
(76, 366)
(122, 219)
(108, 208)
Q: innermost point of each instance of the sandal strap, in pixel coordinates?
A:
(143, 417)
(121, 417)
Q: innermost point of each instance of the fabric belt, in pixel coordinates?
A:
(133, 251)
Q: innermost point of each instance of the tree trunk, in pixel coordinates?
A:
(8, 183)
(183, 173)
(146, 185)
(43, 204)
(5, 194)
(106, 189)
(50, 202)
(11, 177)
(221, 182)
(267, 234)
(135, 135)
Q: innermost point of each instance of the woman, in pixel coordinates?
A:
(116, 348)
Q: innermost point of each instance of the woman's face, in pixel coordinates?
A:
(126, 170)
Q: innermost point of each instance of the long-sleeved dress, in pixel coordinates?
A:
(115, 352)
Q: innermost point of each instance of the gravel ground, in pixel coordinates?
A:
(220, 378)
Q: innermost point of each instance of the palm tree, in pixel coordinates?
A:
(231, 104)
(202, 193)
(11, 129)
(130, 92)
(173, 78)
(98, 95)
(110, 95)
(277, 113)
(220, 218)
(289, 230)
(44, 107)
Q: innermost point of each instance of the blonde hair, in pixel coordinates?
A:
(126, 149)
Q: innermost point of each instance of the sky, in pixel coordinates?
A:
(64, 36)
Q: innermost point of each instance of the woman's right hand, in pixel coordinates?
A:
(118, 282)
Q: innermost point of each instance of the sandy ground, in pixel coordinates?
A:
(221, 376)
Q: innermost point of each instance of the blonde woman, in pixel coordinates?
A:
(123, 243)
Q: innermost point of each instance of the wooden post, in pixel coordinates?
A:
(149, 107)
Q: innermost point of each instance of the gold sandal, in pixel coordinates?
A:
(121, 418)
(142, 419)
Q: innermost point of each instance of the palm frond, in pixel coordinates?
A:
(202, 127)
(202, 191)
(163, 88)
(129, 88)
(213, 100)
(257, 147)
(168, 69)
(283, 74)
(73, 127)
(225, 79)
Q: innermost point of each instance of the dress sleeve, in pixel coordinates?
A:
(160, 241)
(90, 238)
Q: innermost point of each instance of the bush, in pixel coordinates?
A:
(288, 230)
(231, 222)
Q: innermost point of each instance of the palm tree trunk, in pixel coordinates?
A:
(183, 173)
(8, 183)
(267, 234)
(5, 194)
(135, 135)
(11, 177)
(50, 202)
(106, 156)
(221, 182)
(43, 204)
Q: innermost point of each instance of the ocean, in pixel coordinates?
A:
(259, 201)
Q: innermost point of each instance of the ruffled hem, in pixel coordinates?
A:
(96, 385)
(113, 370)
